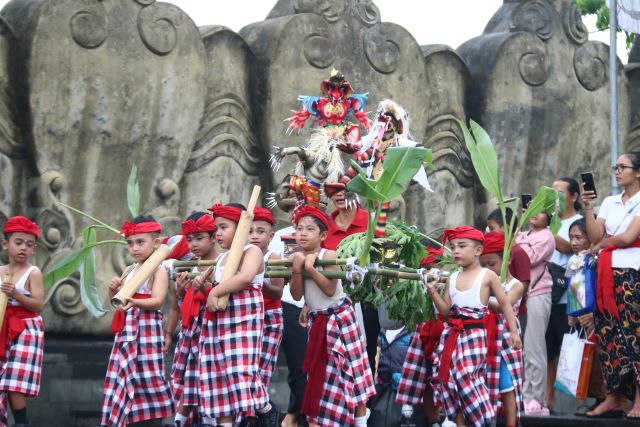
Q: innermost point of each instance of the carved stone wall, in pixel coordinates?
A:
(301, 41)
(541, 90)
(89, 87)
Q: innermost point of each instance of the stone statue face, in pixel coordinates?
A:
(331, 10)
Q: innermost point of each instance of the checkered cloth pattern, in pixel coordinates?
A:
(415, 375)
(466, 390)
(185, 369)
(348, 382)
(272, 330)
(135, 389)
(21, 371)
(514, 361)
(229, 345)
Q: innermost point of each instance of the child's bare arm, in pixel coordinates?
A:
(35, 301)
(326, 285)
(443, 304)
(158, 293)
(273, 287)
(493, 281)
(250, 265)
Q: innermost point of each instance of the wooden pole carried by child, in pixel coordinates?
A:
(4, 298)
(239, 241)
(146, 269)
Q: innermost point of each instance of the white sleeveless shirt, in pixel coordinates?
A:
(315, 298)
(469, 298)
(506, 286)
(257, 281)
(20, 286)
(145, 288)
(265, 258)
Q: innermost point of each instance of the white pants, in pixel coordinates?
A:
(535, 348)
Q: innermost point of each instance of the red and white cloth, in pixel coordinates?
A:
(229, 345)
(185, 370)
(462, 388)
(348, 381)
(135, 389)
(415, 370)
(21, 368)
(272, 330)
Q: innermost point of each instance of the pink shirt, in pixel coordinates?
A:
(539, 245)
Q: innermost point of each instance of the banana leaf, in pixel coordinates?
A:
(400, 165)
(72, 263)
(133, 192)
(484, 159)
(88, 288)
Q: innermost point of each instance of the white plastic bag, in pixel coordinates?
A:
(570, 362)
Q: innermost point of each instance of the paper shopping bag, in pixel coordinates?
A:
(588, 354)
(570, 363)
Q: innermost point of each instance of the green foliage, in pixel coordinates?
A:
(408, 302)
(89, 290)
(485, 163)
(133, 192)
(408, 238)
(400, 165)
(84, 259)
(600, 9)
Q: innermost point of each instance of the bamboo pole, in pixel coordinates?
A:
(239, 241)
(146, 269)
(4, 298)
(342, 275)
(181, 265)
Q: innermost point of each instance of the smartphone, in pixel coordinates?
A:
(588, 182)
(525, 199)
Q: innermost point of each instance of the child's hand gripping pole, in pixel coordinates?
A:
(146, 269)
(4, 298)
(237, 246)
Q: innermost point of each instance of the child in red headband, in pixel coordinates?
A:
(508, 365)
(231, 339)
(334, 336)
(460, 361)
(136, 391)
(20, 348)
(260, 234)
(415, 381)
(188, 302)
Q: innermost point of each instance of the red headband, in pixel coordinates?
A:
(432, 256)
(20, 224)
(229, 212)
(493, 243)
(129, 228)
(462, 232)
(180, 249)
(262, 214)
(314, 212)
(204, 224)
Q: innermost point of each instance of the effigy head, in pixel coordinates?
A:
(393, 118)
(337, 86)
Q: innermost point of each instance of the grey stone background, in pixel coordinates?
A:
(88, 87)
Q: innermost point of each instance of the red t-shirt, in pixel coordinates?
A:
(520, 264)
(335, 234)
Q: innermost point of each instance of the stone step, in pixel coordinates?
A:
(573, 421)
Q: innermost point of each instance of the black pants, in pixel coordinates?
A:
(294, 345)
(371, 330)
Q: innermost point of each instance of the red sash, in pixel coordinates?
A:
(315, 362)
(13, 325)
(119, 317)
(271, 303)
(457, 325)
(491, 325)
(430, 333)
(190, 307)
(605, 294)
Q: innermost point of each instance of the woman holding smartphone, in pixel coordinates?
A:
(617, 320)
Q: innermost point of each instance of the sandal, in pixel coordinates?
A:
(610, 412)
(636, 415)
(581, 411)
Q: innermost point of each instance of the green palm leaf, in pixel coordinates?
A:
(484, 158)
(133, 192)
(88, 289)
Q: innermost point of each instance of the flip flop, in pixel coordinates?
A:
(581, 411)
(612, 414)
(632, 417)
